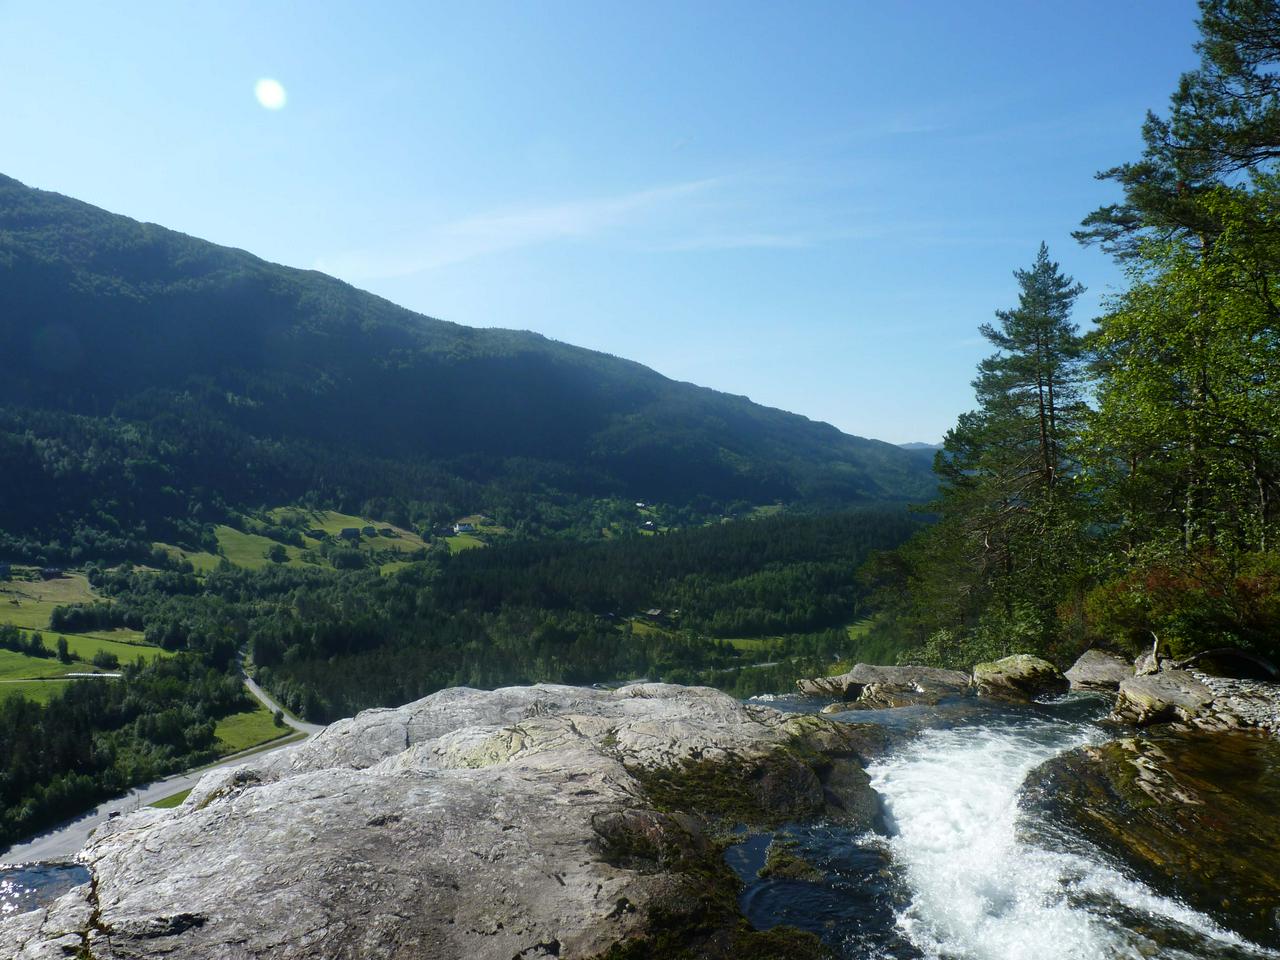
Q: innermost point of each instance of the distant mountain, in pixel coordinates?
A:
(174, 377)
(920, 446)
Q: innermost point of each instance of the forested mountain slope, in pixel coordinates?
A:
(250, 382)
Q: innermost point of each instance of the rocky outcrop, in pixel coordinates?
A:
(1193, 813)
(873, 687)
(1200, 700)
(526, 822)
(1160, 697)
(1099, 670)
(1019, 678)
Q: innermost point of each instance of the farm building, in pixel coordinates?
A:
(464, 528)
(52, 573)
(369, 531)
(349, 533)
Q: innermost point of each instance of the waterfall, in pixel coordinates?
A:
(982, 888)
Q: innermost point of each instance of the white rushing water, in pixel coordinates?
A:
(979, 891)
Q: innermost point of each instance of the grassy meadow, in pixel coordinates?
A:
(240, 731)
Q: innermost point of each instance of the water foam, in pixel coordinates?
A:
(979, 891)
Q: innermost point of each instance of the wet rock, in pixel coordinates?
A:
(1193, 813)
(1098, 670)
(876, 687)
(1158, 697)
(1019, 678)
(479, 824)
(781, 862)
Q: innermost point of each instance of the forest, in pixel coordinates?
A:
(748, 606)
(1118, 486)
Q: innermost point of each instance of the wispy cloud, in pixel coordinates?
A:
(508, 229)
(741, 241)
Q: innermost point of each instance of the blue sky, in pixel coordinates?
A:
(812, 204)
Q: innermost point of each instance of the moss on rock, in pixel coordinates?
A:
(1194, 814)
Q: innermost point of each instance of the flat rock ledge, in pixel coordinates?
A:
(1099, 670)
(1018, 679)
(1198, 700)
(867, 686)
(1192, 812)
(522, 823)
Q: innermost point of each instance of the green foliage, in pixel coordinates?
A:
(1163, 521)
(96, 738)
(330, 642)
(1007, 543)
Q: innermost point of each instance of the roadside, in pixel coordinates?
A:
(265, 699)
(64, 842)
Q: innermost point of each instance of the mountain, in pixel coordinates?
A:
(171, 369)
(916, 445)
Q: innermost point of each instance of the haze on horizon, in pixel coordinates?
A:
(812, 206)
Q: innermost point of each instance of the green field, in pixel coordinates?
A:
(249, 549)
(19, 666)
(463, 541)
(41, 691)
(333, 523)
(85, 645)
(29, 603)
(172, 800)
(127, 645)
(240, 731)
(202, 562)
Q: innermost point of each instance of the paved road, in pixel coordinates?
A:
(64, 842)
(265, 699)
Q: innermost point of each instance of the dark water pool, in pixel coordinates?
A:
(28, 886)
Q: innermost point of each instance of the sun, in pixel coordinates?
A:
(270, 93)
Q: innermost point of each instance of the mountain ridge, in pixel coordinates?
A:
(108, 317)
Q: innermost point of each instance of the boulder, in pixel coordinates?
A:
(873, 687)
(1099, 670)
(1194, 814)
(1159, 697)
(1019, 678)
(525, 822)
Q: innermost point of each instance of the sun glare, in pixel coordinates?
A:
(270, 93)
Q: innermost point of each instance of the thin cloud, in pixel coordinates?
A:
(741, 241)
(510, 229)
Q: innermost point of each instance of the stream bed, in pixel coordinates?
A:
(965, 873)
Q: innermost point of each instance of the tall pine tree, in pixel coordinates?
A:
(987, 578)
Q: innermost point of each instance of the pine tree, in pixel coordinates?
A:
(1008, 539)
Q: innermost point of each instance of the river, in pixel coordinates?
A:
(962, 875)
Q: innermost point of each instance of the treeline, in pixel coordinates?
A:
(1122, 487)
(98, 738)
(331, 642)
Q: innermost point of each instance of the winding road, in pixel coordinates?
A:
(63, 842)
